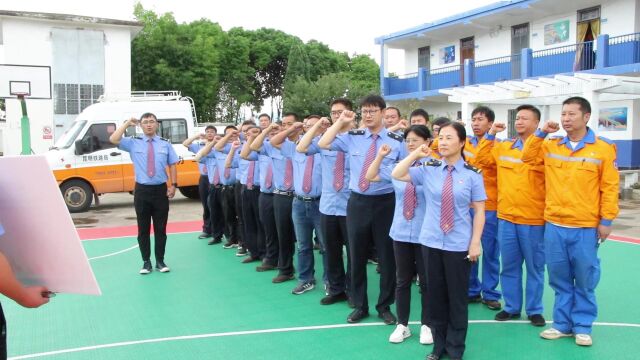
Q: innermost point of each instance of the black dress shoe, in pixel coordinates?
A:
(282, 278)
(214, 241)
(332, 299)
(357, 315)
(204, 236)
(388, 317)
(537, 320)
(265, 267)
(475, 299)
(504, 316)
(433, 356)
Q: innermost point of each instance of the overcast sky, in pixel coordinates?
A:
(344, 25)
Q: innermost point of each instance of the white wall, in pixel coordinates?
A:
(618, 18)
(410, 61)
(27, 42)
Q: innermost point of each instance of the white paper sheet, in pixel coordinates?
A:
(40, 239)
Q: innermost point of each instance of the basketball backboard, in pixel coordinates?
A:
(32, 81)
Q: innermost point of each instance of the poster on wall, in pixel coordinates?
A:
(448, 54)
(557, 32)
(613, 119)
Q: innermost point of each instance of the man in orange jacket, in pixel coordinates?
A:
(520, 215)
(482, 119)
(581, 202)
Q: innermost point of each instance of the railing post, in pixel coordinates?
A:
(422, 77)
(469, 66)
(602, 53)
(526, 63)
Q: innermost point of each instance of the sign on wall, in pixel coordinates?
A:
(613, 119)
(448, 54)
(557, 32)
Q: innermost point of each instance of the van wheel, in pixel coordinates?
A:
(77, 194)
(190, 192)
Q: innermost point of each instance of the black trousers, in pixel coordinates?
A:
(335, 230)
(268, 222)
(3, 335)
(369, 217)
(254, 236)
(232, 230)
(151, 202)
(409, 261)
(237, 191)
(282, 206)
(203, 190)
(447, 303)
(216, 215)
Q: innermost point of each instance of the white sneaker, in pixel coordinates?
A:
(399, 334)
(553, 334)
(583, 339)
(425, 335)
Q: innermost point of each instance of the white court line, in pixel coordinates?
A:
(126, 236)
(265, 331)
(114, 253)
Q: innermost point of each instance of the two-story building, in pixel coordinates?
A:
(526, 51)
(85, 57)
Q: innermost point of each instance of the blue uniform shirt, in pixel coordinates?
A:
(164, 155)
(467, 187)
(404, 230)
(210, 162)
(1, 230)
(279, 163)
(194, 148)
(356, 144)
(221, 159)
(288, 150)
(332, 202)
(263, 162)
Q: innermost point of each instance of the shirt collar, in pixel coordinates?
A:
(458, 166)
(381, 133)
(589, 138)
(153, 138)
(475, 140)
(517, 144)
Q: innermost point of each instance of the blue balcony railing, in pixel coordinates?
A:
(624, 50)
(497, 69)
(450, 76)
(606, 52)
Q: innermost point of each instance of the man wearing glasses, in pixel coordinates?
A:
(370, 206)
(151, 155)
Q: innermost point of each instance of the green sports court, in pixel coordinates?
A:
(212, 307)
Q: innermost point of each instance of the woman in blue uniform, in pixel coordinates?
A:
(451, 237)
(405, 232)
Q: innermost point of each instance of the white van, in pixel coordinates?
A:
(86, 164)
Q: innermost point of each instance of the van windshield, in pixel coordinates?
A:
(70, 135)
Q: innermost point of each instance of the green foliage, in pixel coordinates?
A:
(226, 71)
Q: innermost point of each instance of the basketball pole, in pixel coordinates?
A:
(24, 126)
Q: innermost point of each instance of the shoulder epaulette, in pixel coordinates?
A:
(608, 141)
(473, 168)
(137, 137)
(432, 162)
(167, 140)
(356, 132)
(395, 136)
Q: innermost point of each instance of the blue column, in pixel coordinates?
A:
(383, 85)
(469, 73)
(422, 79)
(526, 63)
(602, 54)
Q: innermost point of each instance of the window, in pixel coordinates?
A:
(97, 137)
(3, 111)
(424, 57)
(175, 130)
(71, 99)
(511, 126)
(589, 14)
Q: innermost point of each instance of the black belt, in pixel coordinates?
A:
(151, 185)
(266, 193)
(307, 198)
(227, 187)
(254, 188)
(283, 192)
(216, 186)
